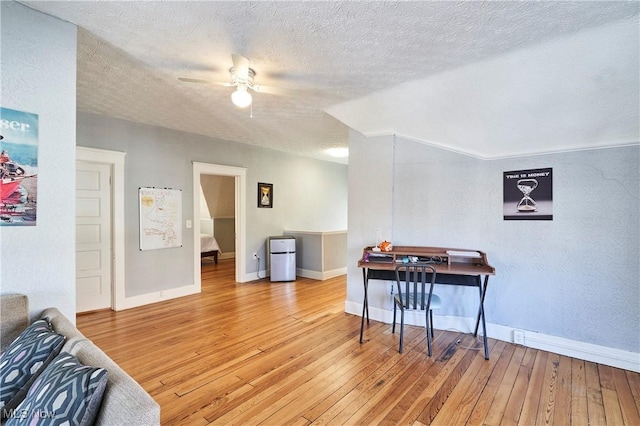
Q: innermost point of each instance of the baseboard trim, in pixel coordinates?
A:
(157, 296)
(573, 348)
(254, 276)
(317, 275)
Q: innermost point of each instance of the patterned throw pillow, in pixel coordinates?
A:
(66, 393)
(25, 358)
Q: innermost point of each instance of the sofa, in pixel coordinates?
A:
(124, 401)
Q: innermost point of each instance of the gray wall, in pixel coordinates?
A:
(321, 252)
(38, 63)
(576, 276)
(224, 230)
(335, 255)
(308, 250)
(307, 193)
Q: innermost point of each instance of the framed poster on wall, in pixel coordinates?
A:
(160, 218)
(18, 167)
(265, 195)
(528, 194)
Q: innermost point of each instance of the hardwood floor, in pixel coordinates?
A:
(286, 353)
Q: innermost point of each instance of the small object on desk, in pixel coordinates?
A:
(460, 253)
(386, 246)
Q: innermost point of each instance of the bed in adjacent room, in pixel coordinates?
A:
(208, 245)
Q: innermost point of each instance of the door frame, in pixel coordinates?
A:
(116, 160)
(240, 175)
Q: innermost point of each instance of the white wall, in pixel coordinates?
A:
(308, 194)
(577, 90)
(575, 277)
(38, 64)
(370, 205)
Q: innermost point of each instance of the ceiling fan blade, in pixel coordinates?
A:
(194, 80)
(241, 66)
(274, 90)
(197, 80)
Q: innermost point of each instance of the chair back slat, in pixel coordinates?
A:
(415, 277)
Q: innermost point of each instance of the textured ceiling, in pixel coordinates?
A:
(335, 56)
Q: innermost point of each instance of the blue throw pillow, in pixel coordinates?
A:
(25, 358)
(66, 393)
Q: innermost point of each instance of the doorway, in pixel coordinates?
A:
(239, 175)
(101, 267)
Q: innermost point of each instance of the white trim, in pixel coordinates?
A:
(261, 274)
(240, 174)
(573, 348)
(293, 231)
(475, 154)
(157, 296)
(317, 275)
(116, 160)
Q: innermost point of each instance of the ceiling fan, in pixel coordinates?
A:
(242, 78)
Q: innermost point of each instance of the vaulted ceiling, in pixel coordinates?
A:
(490, 79)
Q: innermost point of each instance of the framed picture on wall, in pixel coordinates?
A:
(18, 167)
(160, 218)
(528, 194)
(265, 195)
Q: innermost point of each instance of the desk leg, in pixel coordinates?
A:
(365, 303)
(483, 292)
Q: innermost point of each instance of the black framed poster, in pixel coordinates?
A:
(265, 195)
(528, 194)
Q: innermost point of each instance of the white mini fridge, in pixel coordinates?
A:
(282, 258)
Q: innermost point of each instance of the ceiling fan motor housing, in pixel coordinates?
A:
(238, 80)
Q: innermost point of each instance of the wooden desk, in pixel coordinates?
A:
(453, 267)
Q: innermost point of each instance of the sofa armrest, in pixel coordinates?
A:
(61, 324)
(14, 317)
(125, 402)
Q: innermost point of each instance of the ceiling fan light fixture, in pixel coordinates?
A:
(241, 97)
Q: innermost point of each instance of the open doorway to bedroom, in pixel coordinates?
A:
(219, 218)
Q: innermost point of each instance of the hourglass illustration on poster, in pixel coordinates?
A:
(265, 195)
(526, 186)
(528, 194)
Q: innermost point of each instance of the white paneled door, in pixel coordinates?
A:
(93, 236)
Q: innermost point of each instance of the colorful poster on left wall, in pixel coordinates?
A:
(18, 167)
